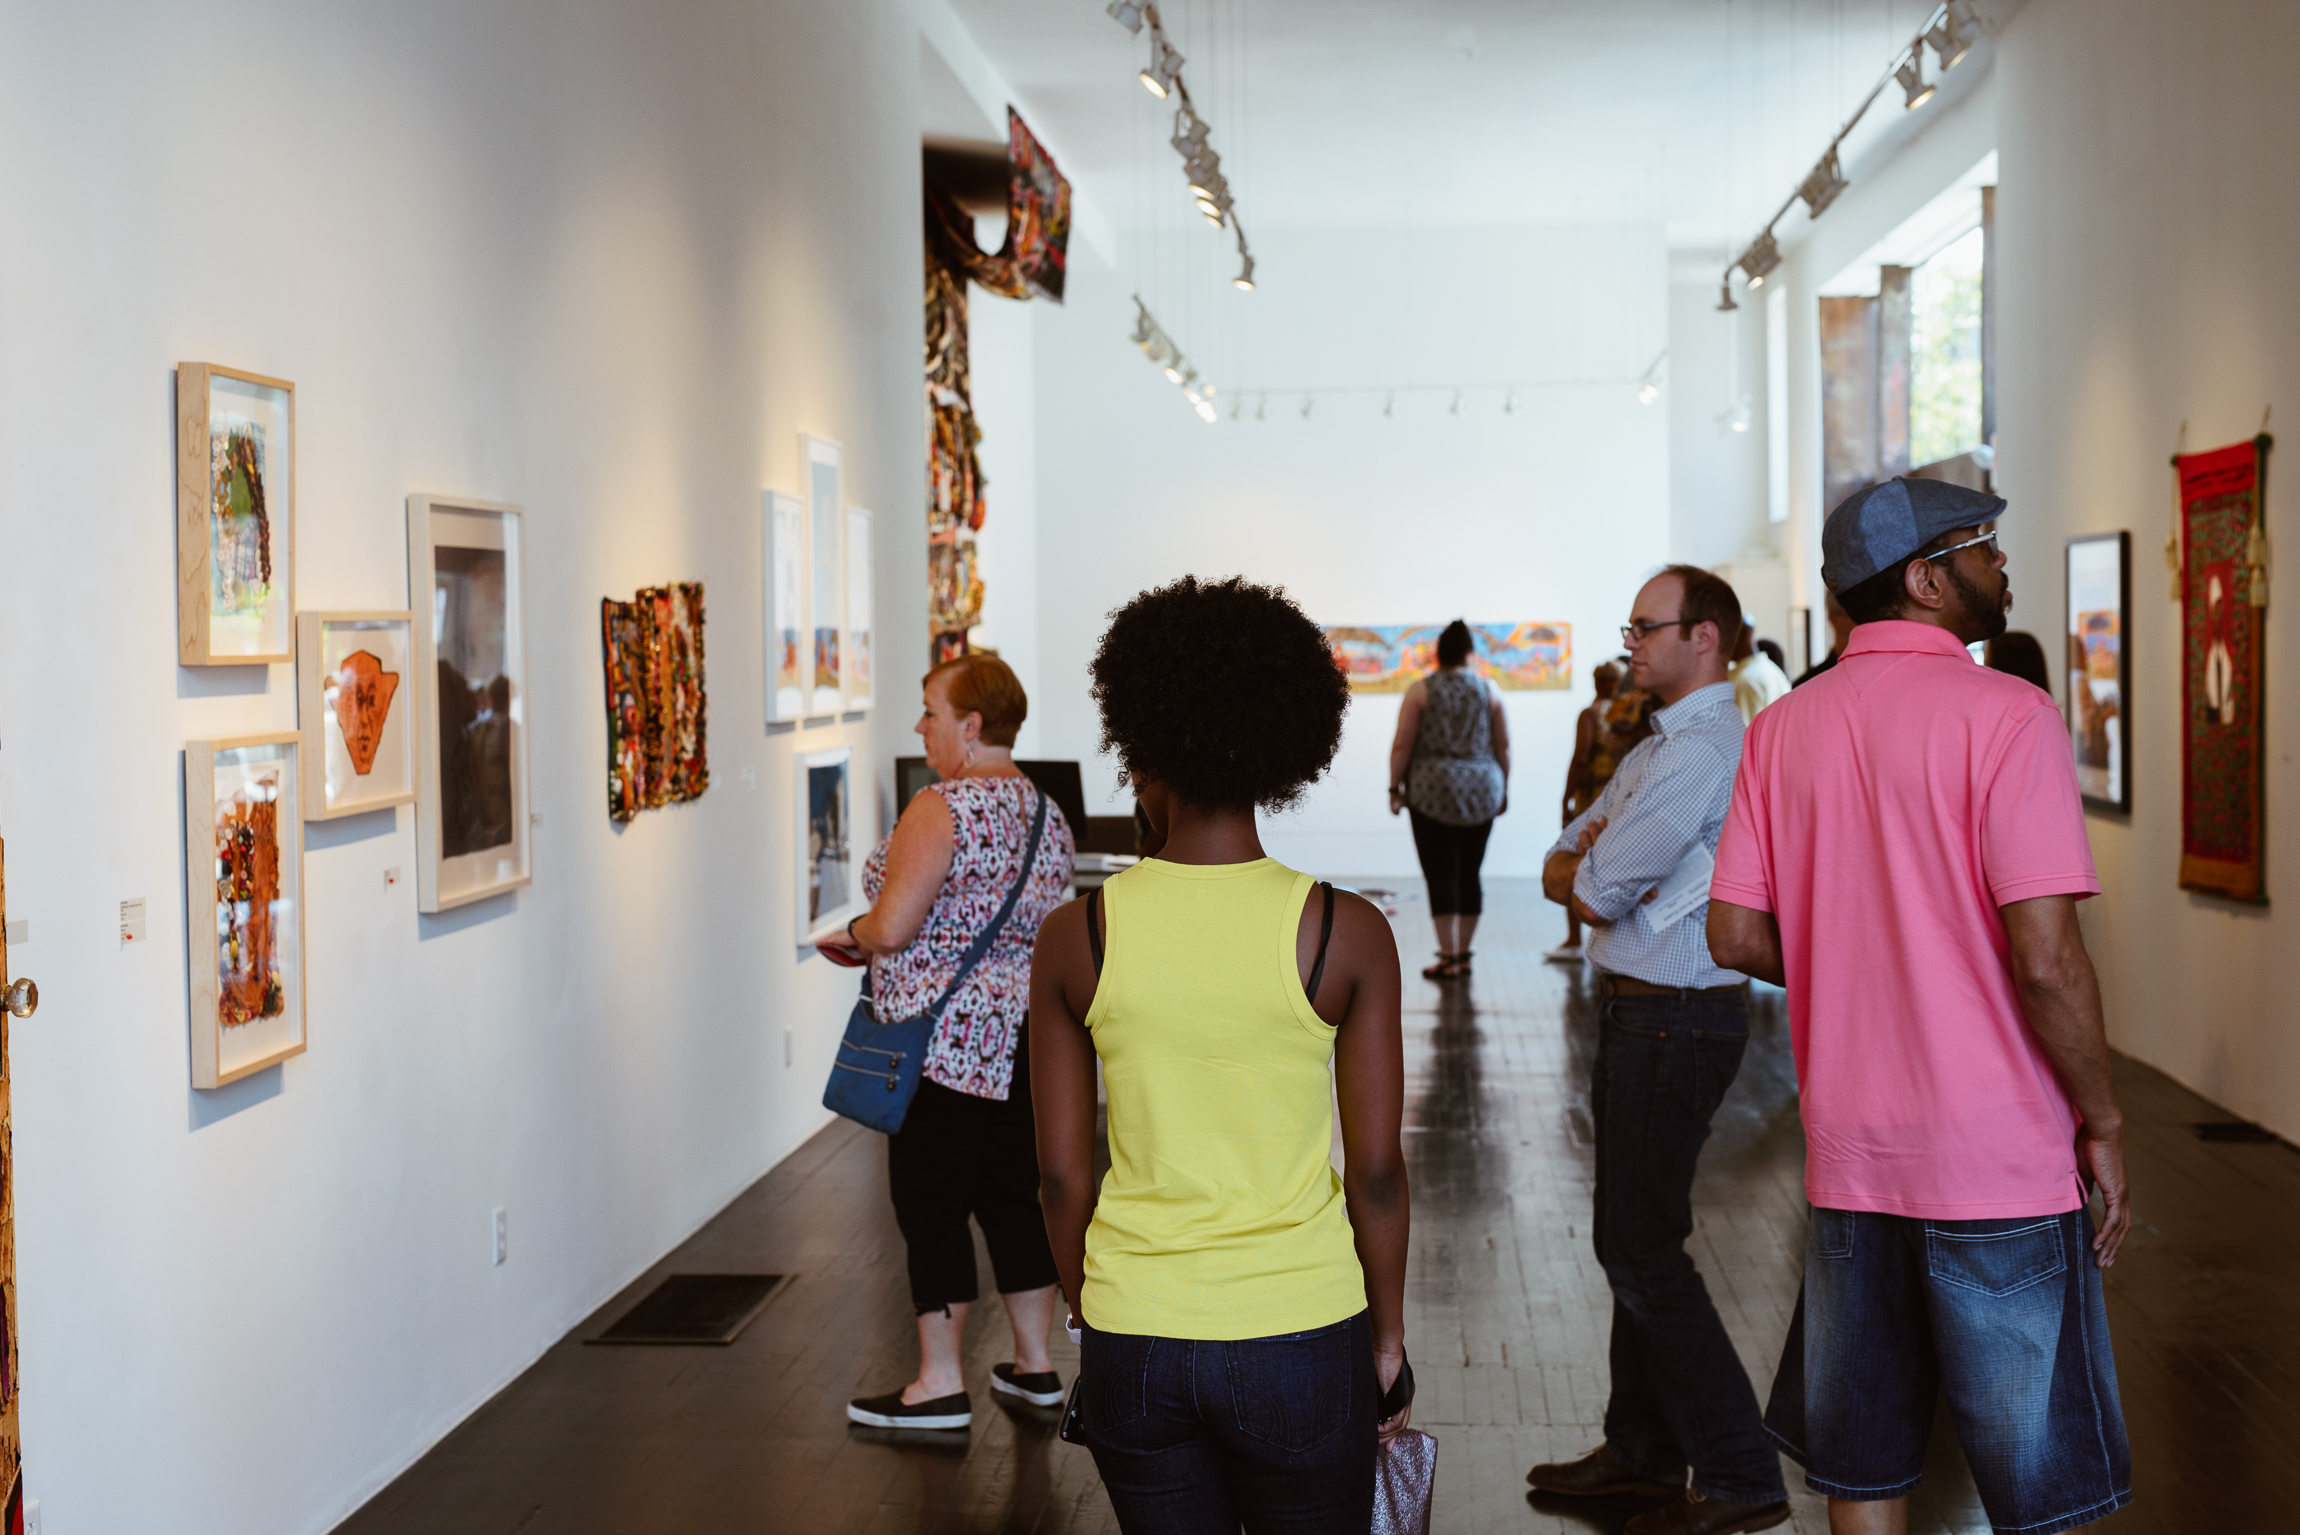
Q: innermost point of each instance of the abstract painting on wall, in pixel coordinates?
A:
(2224, 598)
(352, 672)
(657, 737)
(784, 542)
(819, 462)
(858, 646)
(235, 517)
(472, 818)
(1389, 658)
(2100, 666)
(243, 830)
(830, 834)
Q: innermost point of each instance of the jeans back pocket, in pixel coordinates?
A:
(1113, 1379)
(1995, 1262)
(1292, 1392)
(1832, 1234)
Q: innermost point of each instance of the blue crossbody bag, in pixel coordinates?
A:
(876, 1074)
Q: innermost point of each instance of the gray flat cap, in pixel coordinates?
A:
(1887, 523)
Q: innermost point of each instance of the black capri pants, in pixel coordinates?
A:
(1450, 857)
(958, 1155)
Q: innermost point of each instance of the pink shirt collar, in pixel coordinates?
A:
(1901, 634)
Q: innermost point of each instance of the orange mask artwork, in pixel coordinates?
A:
(363, 691)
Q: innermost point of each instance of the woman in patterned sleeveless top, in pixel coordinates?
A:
(968, 1145)
(1449, 767)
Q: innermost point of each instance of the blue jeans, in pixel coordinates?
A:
(1195, 1438)
(2004, 1317)
(1680, 1396)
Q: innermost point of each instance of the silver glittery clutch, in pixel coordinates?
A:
(1405, 1473)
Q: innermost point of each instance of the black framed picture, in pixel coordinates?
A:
(2099, 666)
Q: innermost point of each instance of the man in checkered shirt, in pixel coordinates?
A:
(1673, 1027)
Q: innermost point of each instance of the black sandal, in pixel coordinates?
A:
(1449, 967)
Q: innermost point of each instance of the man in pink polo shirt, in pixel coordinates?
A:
(1904, 851)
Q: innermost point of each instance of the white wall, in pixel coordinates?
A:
(1716, 475)
(602, 260)
(2147, 210)
(1555, 511)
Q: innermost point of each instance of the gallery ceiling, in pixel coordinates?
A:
(1698, 114)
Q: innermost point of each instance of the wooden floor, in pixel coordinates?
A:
(1507, 1313)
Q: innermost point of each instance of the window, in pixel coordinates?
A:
(1945, 353)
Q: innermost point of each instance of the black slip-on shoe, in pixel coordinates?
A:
(891, 1411)
(1043, 1389)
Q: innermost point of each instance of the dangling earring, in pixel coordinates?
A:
(970, 754)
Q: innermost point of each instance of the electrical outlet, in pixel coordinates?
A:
(502, 1231)
(788, 1047)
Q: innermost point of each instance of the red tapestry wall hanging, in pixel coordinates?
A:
(2223, 605)
(656, 746)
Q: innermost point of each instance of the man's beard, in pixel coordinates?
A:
(1991, 614)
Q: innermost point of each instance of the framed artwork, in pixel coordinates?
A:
(352, 695)
(1515, 657)
(472, 830)
(789, 647)
(656, 706)
(858, 645)
(819, 464)
(235, 517)
(2100, 666)
(243, 903)
(830, 843)
(2223, 623)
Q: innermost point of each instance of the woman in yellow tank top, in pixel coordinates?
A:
(1241, 1306)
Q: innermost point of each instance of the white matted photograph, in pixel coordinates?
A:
(354, 699)
(783, 524)
(471, 810)
(859, 657)
(235, 517)
(819, 468)
(243, 903)
(829, 819)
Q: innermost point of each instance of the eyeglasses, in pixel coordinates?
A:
(1985, 538)
(1634, 632)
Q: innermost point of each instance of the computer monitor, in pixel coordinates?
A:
(1059, 781)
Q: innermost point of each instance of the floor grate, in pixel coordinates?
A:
(695, 1308)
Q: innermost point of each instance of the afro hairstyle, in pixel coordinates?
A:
(1223, 691)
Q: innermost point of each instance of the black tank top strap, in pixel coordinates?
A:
(1325, 933)
(1094, 929)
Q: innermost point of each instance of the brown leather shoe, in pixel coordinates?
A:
(1600, 1474)
(1694, 1514)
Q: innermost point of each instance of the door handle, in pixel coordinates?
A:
(22, 998)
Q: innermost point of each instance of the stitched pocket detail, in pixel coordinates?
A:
(1996, 1262)
(1292, 1392)
(1833, 1233)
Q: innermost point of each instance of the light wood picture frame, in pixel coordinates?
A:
(473, 821)
(243, 903)
(859, 658)
(2097, 663)
(789, 647)
(832, 840)
(355, 698)
(820, 482)
(235, 517)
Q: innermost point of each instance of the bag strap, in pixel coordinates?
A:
(1325, 931)
(989, 934)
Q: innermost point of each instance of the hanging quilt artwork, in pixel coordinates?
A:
(1032, 262)
(2223, 602)
(1515, 657)
(655, 701)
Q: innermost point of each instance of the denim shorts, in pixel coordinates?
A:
(2003, 1317)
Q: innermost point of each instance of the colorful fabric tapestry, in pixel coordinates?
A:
(1517, 658)
(656, 706)
(2224, 594)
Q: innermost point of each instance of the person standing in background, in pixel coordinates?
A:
(1449, 765)
(1585, 778)
(2017, 653)
(1905, 852)
(1757, 679)
(1672, 1029)
(1840, 628)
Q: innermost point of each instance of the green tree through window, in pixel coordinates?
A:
(1945, 353)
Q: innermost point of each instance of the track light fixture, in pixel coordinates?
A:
(1950, 29)
(1159, 347)
(1649, 382)
(1200, 164)
(1760, 258)
(1919, 90)
(1822, 184)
